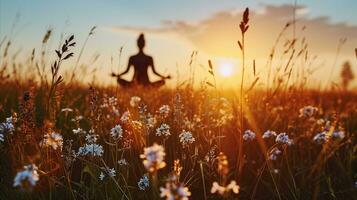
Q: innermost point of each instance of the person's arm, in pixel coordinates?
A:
(154, 70)
(127, 68)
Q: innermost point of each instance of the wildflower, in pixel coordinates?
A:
(283, 138)
(66, 110)
(134, 101)
(150, 121)
(116, 132)
(107, 172)
(186, 138)
(274, 154)
(79, 131)
(174, 190)
(53, 140)
(101, 176)
(338, 135)
(307, 111)
(321, 138)
(28, 174)
(125, 117)
(91, 138)
(7, 126)
(232, 186)
(153, 157)
(269, 133)
(163, 130)
(92, 149)
(122, 162)
(164, 110)
(248, 135)
(143, 182)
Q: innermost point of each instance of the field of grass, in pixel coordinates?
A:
(61, 139)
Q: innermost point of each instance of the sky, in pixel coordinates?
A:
(174, 29)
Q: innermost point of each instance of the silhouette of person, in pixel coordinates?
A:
(141, 63)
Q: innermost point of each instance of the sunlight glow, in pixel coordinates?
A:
(226, 69)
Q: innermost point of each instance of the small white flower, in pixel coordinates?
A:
(79, 131)
(307, 111)
(101, 176)
(269, 133)
(91, 138)
(28, 174)
(174, 190)
(232, 186)
(338, 135)
(248, 135)
(150, 121)
(90, 149)
(163, 130)
(134, 101)
(125, 117)
(274, 154)
(143, 182)
(186, 138)
(2, 137)
(164, 110)
(122, 162)
(153, 157)
(53, 140)
(116, 132)
(321, 138)
(283, 138)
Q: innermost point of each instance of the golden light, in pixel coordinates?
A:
(226, 68)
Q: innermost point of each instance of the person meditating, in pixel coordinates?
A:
(141, 63)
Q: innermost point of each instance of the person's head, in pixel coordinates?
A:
(141, 41)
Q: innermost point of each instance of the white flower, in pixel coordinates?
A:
(7, 126)
(174, 190)
(1, 137)
(125, 117)
(307, 111)
(134, 101)
(186, 138)
(143, 182)
(153, 157)
(321, 138)
(91, 138)
(91, 149)
(338, 135)
(28, 174)
(150, 121)
(163, 130)
(79, 131)
(53, 140)
(274, 154)
(116, 132)
(269, 133)
(122, 162)
(164, 110)
(248, 135)
(66, 110)
(232, 186)
(101, 176)
(283, 138)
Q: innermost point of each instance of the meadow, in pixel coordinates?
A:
(63, 139)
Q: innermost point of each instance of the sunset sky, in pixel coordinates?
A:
(174, 29)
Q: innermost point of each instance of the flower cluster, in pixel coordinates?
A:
(90, 149)
(28, 175)
(232, 186)
(163, 130)
(269, 134)
(186, 138)
(107, 173)
(153, 157)
(284, 139)
(116, 132)
(53, 140)
(248, 135)
(144, 182)
(174, 189)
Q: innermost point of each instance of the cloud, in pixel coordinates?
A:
(218, 34)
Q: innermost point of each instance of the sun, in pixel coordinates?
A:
(226, 69)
